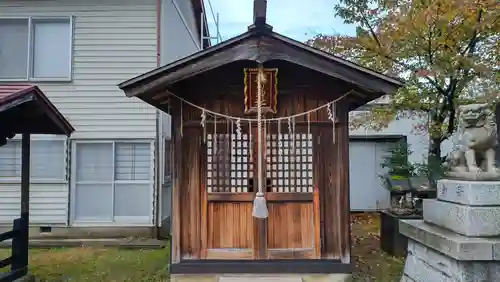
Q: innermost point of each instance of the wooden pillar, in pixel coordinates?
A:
(326, 162)
(25, 176)
(175, 215)
(342, 141)
(20, 244)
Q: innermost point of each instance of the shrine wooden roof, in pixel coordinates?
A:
(25, 109)
(260, 44)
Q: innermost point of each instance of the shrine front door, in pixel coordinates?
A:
(229, 231)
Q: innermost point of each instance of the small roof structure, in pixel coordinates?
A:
(26, 109)
(261, 45)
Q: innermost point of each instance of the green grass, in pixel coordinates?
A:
(119, 265)
(95, 264)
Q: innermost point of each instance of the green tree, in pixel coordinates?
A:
(447, 51)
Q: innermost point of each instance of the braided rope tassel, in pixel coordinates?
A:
(259, 204)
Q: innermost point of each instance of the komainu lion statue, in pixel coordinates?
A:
(474, 157)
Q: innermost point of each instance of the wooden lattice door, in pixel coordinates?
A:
(228, 228)
(293, 201)
(226, 215)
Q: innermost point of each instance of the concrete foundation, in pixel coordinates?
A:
(458, 239)
(63, 232)
(120, 237)
(261, 278)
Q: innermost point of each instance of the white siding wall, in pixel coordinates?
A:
(179, 38)
(48, 198)
(178, 31)
(113, 40)
(48, 203)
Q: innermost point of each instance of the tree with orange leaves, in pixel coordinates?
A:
(448, 52)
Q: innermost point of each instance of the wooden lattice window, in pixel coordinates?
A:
(229, 167)
(289, 167)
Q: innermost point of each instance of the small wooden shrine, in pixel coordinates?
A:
(261, 165)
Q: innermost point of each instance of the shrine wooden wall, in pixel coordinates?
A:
(221, 91)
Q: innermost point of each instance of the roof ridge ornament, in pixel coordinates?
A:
(259, 12)
(260, 16)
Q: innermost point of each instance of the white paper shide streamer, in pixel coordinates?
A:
(332, 117)
(203, 124)
(259, 203)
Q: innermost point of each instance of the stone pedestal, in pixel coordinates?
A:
(458, 239)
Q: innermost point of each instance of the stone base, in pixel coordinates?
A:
(470, 193)
(472, 221)
(437, 254)
(474, 176)
(261, 278)
(424, 264)
(451, 244)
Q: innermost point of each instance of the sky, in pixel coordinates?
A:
(297, 19)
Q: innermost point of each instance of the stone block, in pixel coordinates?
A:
(471, 193)
(451, 244)
(419, 269)
(424, 264)
(472, 221)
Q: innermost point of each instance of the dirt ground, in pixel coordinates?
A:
(371, 264)
(95, 264)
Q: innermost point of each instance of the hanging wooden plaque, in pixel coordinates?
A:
(269, 93)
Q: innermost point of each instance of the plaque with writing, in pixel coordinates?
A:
(269, 90)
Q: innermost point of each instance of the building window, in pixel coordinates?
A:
(35, 49)
(113, 182)
(48, 160)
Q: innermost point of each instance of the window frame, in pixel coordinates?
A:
(30, 62)
(115, 220)
(64, 180)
